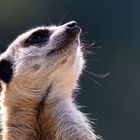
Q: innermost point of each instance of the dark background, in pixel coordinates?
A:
(114, 25)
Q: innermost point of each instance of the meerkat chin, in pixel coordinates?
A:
(39, 72)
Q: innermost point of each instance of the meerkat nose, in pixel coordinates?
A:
(72, 24)
(73, 27)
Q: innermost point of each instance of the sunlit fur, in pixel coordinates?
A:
(36, 73)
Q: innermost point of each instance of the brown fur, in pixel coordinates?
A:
(22, 119)
(37, 101)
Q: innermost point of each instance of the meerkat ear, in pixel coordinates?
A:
(6, 70)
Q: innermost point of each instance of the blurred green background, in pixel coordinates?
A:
(112, 24)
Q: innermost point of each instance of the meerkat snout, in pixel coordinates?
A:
(73, 28)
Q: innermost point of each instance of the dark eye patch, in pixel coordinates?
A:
(6, 70)
(38, 37)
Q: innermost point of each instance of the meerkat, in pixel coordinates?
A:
(39, 72)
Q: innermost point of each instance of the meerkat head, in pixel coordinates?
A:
(44, 55)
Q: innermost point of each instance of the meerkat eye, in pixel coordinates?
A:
(38, 37)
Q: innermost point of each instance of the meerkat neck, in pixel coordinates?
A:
(54, 119)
